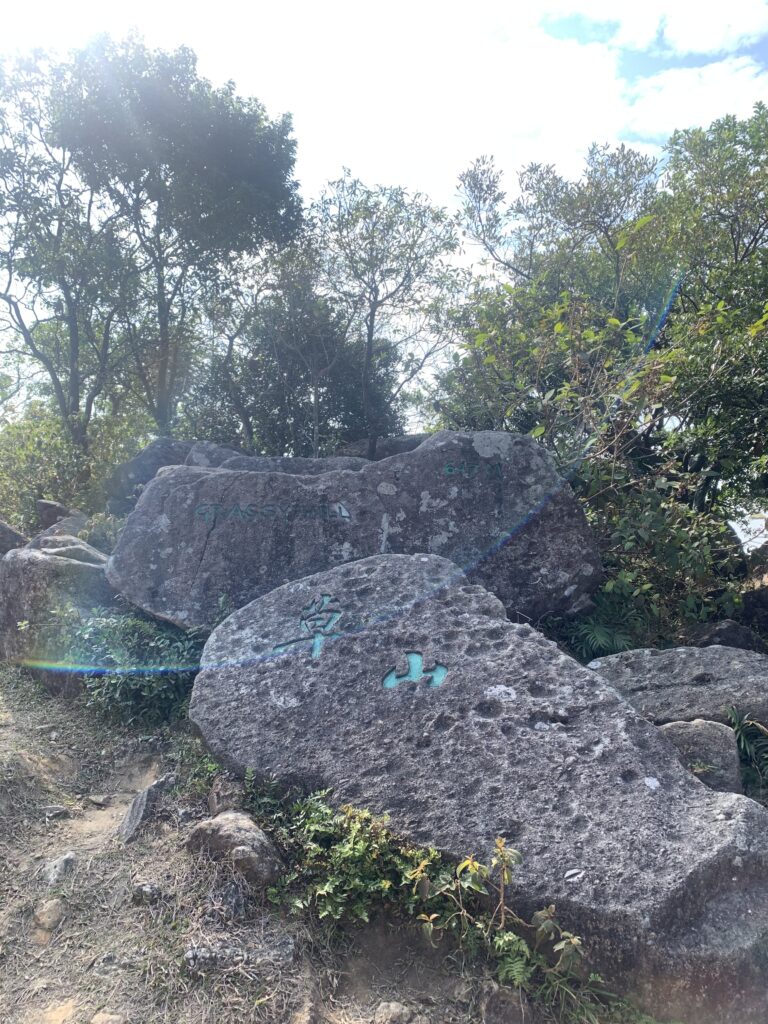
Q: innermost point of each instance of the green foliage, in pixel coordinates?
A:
(39, 460)
(752, 741)
(133, 667)
(347, 865)
(102, 530)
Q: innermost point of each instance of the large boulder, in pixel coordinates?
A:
(34, 583)
(464, 727)
(684, 683)
(125, 482)
(491, 502)
(295, 466)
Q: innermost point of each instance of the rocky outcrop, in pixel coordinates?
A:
(124, 483)
(709, 750)
(33, 583)
(10, 538)
(492, 503)
(464, 727)
(684, 683)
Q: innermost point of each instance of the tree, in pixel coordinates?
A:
(387, 262)
(192, 175)
(282, 371)
(62, 276)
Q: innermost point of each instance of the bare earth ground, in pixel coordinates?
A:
(147, 934)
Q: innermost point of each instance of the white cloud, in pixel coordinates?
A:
(411, 93)
(684, 97)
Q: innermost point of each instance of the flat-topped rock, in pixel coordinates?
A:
(491, 502)
(463, 727)
(684, 683)
(295, 466)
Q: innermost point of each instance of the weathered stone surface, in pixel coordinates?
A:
(206, 453)
(294, 466)
(50, 913)
(464, 726)
(65, 546)
(684, 683)
(709, 750)
(489, 501)
(32, 584)
(234, 836)
(10, 538)
(728, 633)
(122, 485)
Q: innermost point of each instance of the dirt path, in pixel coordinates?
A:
(117, 937)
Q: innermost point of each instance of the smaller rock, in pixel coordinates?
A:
(235, 837)
(50, 512)
(142, 808)
(226, 794)
(392, 1013)
(504, 1006)
(50, 914)
(57, 869)
(709, 750)
(56, 811)
(729, 633)
(145, 892)
(98, 800)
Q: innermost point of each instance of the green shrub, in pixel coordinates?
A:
(133, 667)
(346, 865)
(102, 530)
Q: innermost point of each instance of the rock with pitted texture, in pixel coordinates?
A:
(402, 688)
(235, 837)
(491, 502)
(683, 683)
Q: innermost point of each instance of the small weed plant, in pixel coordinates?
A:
(347, 865)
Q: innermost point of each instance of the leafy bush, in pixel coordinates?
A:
(102, 531)
(133, 667)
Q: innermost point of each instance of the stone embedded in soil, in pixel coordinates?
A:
(464, 727)
(50, 914)
(57, 869)
(490, 501)
(235, 837)
(684, 683)
(143, 807)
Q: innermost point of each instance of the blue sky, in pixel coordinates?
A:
(409, 93)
